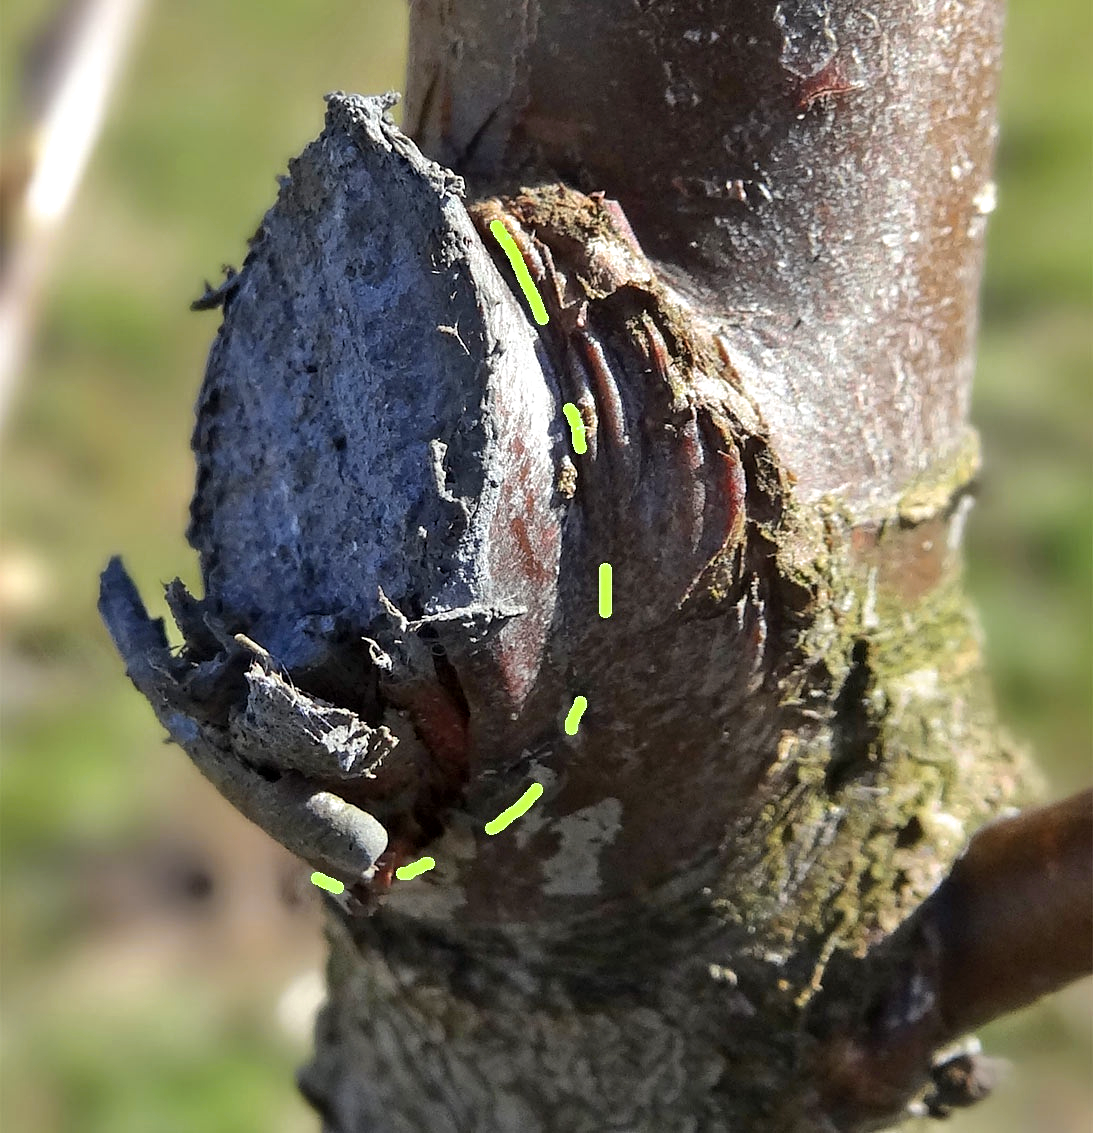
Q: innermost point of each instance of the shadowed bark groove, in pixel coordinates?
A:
(757, 233)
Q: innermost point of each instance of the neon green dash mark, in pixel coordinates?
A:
(576, 427)
(414, 869)
(572, 721)
(330, 884)
(523, 276)
(522, 805)
(605, 590)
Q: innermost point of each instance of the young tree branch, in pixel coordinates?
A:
(1011, 922)
(815, 177)
(789, 737)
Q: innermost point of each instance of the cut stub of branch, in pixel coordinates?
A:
(355, 439)
(393, 522)
(1012, 922)
(253, 748)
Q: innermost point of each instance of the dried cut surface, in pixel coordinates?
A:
(358, 489)
(387, 500)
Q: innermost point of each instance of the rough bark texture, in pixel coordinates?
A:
(789, 738)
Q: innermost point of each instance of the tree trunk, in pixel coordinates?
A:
(756, 231)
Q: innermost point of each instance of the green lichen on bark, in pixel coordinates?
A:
(891, 755)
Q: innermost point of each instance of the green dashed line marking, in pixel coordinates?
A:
(414, 869)
(605, 590)
(523, 276)
(522, 805)
(576, 427)
(573, 720)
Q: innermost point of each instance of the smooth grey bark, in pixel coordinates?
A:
(789, 737)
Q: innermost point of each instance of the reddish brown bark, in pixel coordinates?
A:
(1012, 922)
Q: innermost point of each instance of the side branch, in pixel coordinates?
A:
(1012, 922)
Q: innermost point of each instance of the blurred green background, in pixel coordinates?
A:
(160, 959)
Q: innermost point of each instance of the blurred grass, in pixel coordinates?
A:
(96, 459)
